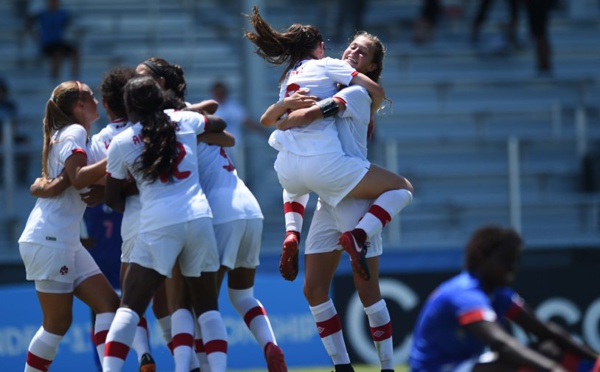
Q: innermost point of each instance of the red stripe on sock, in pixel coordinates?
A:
(381, 214)
(170, 346)
(199, 346)
(329, 326)
(38, 362)
(382, 332)
(183, 339)
(293, 207)
(143, 323)
(216, 346)
(116, 349)
(100, 337)
(253, 313)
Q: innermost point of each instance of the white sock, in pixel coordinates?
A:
(381, 332)
(385, 207)
(182, 333)
(214, 335)
(41, 351)
(253, 313)
(101, 327)
(294, 211)
(141, 342)
(330, 331)
(119, 339)
(164, 324)
(199, 348)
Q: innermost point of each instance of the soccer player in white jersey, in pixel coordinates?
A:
(322, 252)
(311, 157)
(111, 90)
(50, 243)
(175, 220)
(238, 224)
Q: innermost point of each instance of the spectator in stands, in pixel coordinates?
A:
(50, 27)
(349, 18)
(538, 16)
(425, 24)
(9, 115)
(481, 15)
(466, 315)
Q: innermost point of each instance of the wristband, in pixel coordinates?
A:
(328, 107)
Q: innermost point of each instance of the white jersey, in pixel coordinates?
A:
(56, 221)
(98, 150)
(228, 196)
(164, 202)
(321, 76)
(353, 124)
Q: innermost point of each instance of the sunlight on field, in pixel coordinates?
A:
(357, 368)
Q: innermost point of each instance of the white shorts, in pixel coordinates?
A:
(328, 223)
(331, 176)
(69, 266)
(191, 243)
(239, 243)
(126, 249)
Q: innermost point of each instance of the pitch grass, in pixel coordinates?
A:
(357, 368)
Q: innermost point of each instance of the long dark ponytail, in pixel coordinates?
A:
(144, 99)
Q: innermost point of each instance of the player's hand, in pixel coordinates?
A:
(94, 196)
(300, 99)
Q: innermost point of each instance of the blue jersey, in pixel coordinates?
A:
(104, 229)
(440, 340)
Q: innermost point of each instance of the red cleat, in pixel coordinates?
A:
(275, 358)
(358, 254)
(288, 263)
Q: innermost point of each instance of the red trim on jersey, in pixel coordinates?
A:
(253, 313)
(100, 337)
(382, 215)
(341, 100)
(78, 151)
(183, 339)
(570, 361)
(38, 362)
(108, 174)
(381, 333)
(199, 346)
(329, 326)
(354, 73)
(216, 346)
(293, 207)
(116, 349)
(471, 317)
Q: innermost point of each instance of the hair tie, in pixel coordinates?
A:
(153, 67)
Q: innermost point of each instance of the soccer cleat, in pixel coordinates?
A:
(147, 363)
(358, 254)
(275, 358)
(288, 262)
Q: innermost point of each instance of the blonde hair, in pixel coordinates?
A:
(59, 114)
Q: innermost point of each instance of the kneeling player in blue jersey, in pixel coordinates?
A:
(462, 325)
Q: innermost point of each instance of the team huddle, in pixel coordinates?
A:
(189, 220)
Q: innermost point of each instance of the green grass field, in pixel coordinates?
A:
(357, 368)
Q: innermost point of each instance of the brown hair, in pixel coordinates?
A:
(291, 46)
(59, 114)
(487, 240)
(378, 53)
